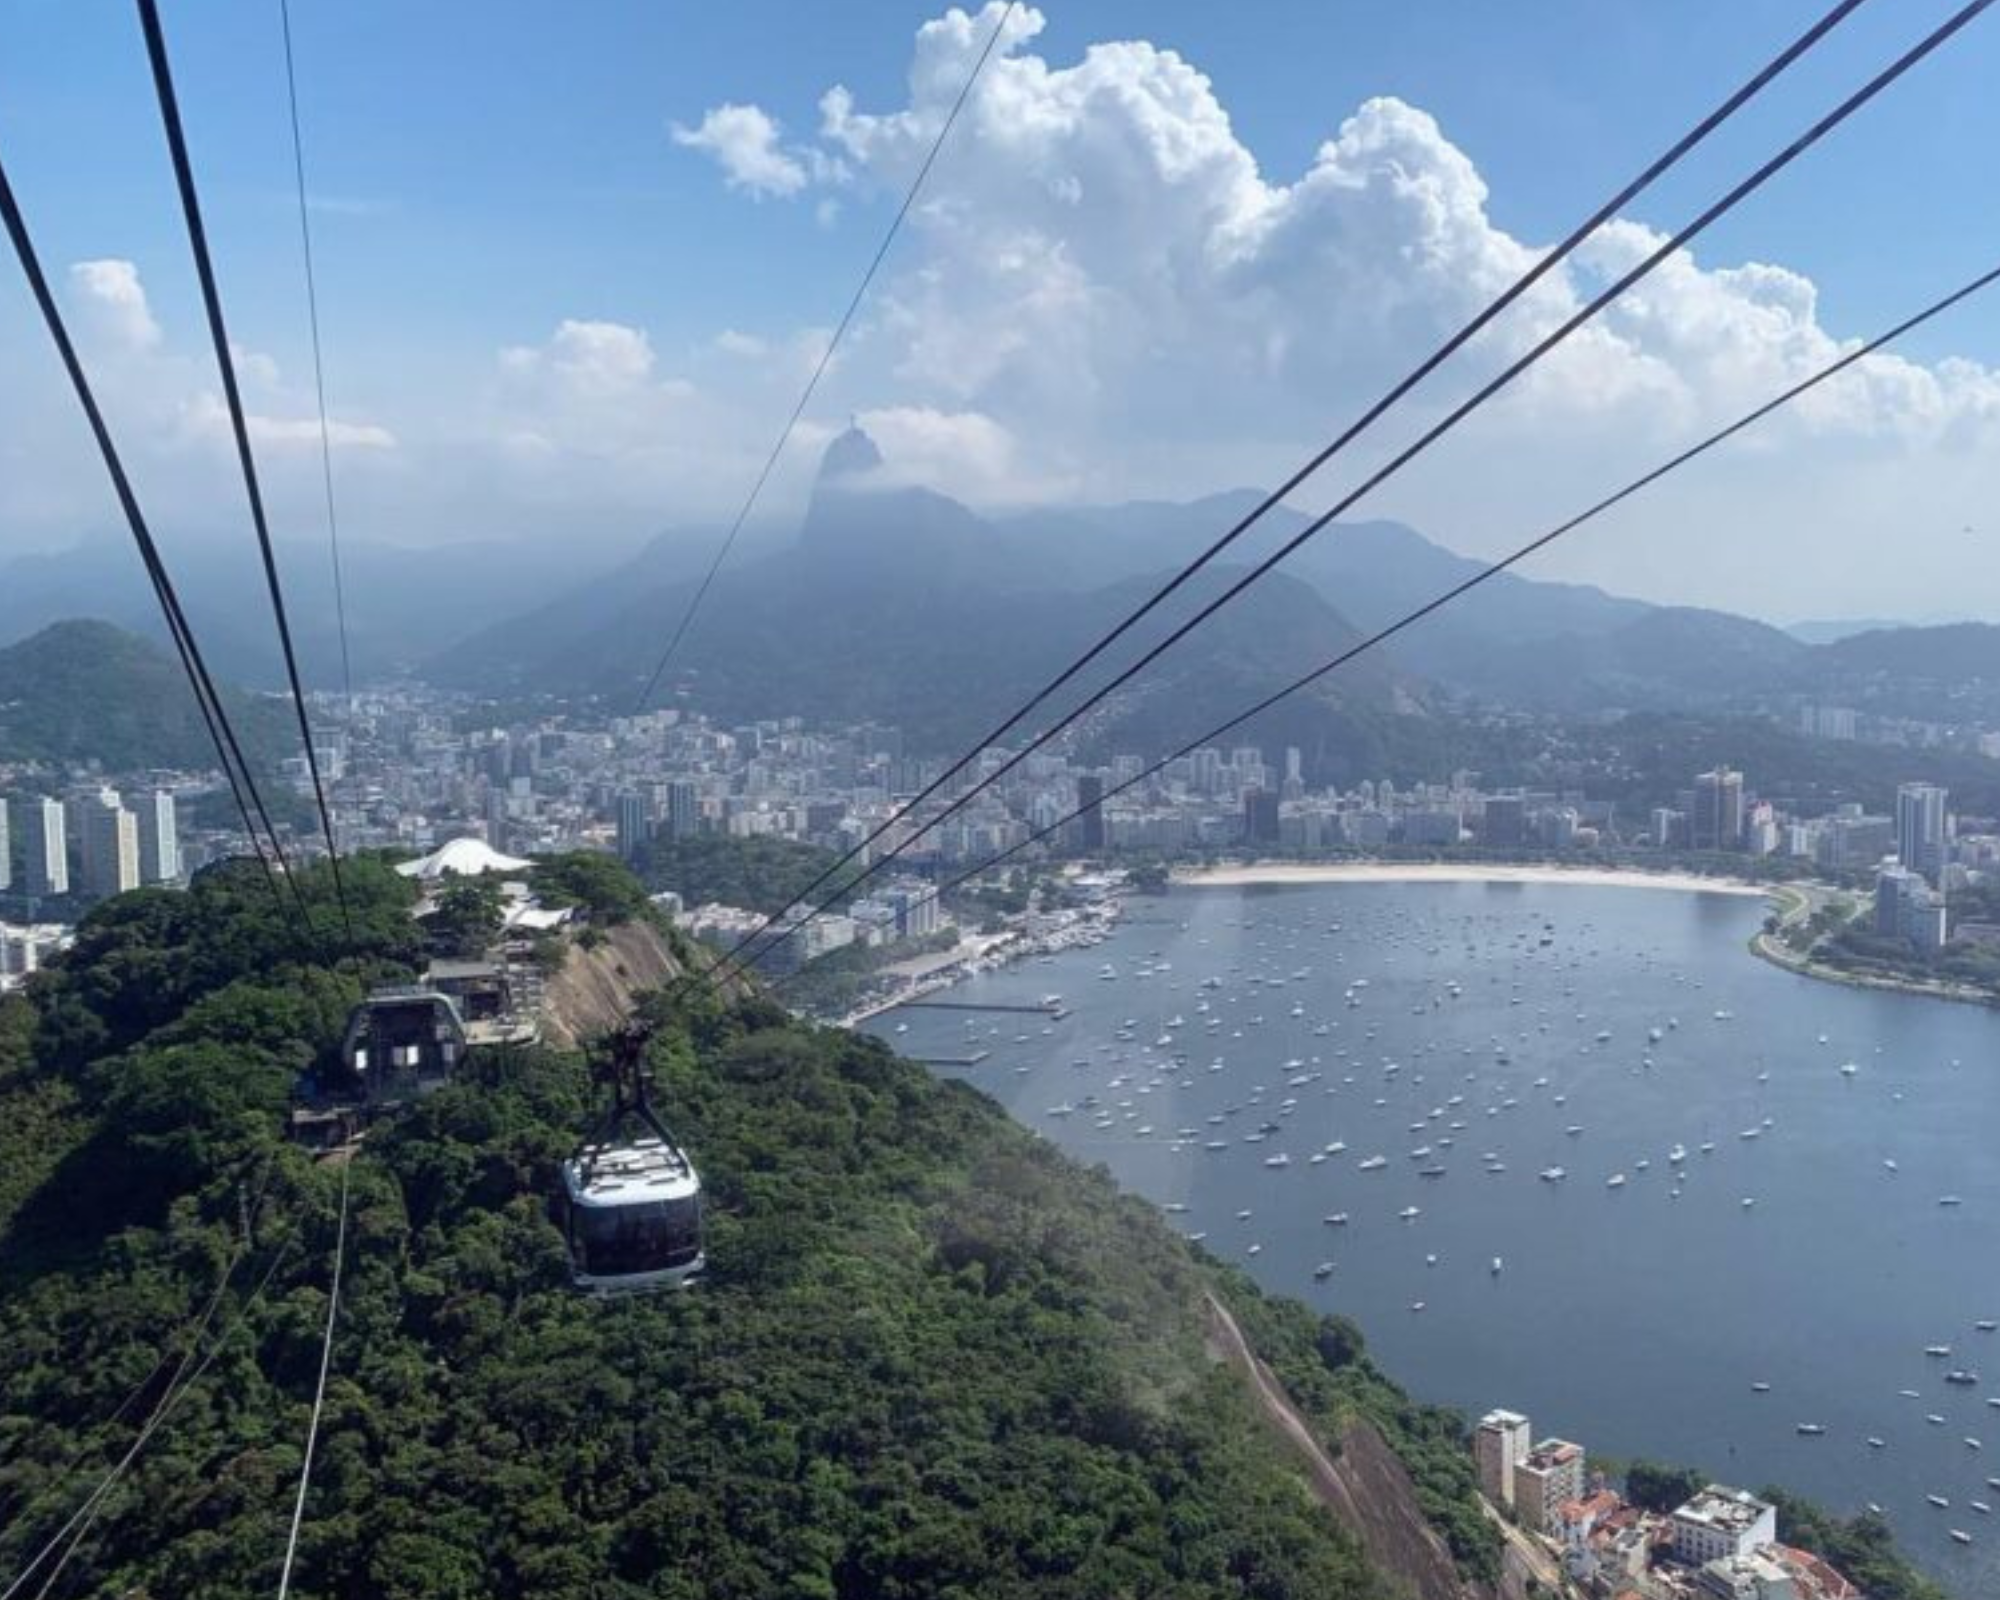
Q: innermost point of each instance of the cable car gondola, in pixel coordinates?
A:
(402, 1043)
(631, 1207)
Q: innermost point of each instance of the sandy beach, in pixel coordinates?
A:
(1278, 872)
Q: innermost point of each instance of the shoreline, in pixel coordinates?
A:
(1250, 874)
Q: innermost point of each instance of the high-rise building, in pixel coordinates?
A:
(6, 849)
(1920, 842)
(683, 810)
(109, 839)
(1090, 811)
(1551, 1474)
(1294, 785)
(44, 829)
(1716, 822)
(634, 828)
(159, 838)
(1260, 816)
(1500, 1445)
(1908, 908)
(1502, 820)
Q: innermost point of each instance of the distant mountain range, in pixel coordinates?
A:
(403, 605)
(905, 605)
(902, 605)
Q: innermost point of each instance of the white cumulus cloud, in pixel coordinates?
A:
(114, 303)
(744, 142)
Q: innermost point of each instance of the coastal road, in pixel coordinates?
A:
(1525, 1558)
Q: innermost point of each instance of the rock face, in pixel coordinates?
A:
(596, 989)
(1376, 1499)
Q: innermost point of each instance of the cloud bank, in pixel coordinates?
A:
(1102, 294)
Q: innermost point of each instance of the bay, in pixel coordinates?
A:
(1633, 1319)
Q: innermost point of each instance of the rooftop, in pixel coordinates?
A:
(1551, 1453)
(644, 1170)
(467, 858)
(1732, 1510)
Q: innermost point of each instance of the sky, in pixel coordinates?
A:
(575, 263)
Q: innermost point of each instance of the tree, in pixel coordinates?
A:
(1654, 1486)
(468, 917)
(599, 883)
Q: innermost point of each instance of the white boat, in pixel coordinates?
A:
(1409, 1213)
(1615, 1181)
(1553, 1174)
(1677, 1155)
(1337, 1220)
(1279, 1160)
(1373, 1164)
(1960, 1536)
(1810, 1430)
(1323, 1271)
(1495, 1268)
(1938, 1500)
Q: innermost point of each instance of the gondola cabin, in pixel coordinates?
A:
(632, 1216)
(402, 1043)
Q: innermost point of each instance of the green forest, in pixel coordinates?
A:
(933, 1356)
(80, 692)
(759, 874)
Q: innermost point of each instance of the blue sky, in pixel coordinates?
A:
(485, 173)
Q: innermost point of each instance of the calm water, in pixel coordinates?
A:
(1631, 1318)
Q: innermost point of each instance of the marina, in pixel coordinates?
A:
(1425, 1034)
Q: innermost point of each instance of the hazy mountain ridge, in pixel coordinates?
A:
(403, 604)
(890, 594)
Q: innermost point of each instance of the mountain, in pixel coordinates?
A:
(1830, 630)
(903, 606)
(932, 1355)
(84, 691)
(403, 604)
(1956, 652)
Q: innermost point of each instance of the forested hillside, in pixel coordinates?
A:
(86, 691)
(933, 1356)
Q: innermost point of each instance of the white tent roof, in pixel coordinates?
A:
(467, 858)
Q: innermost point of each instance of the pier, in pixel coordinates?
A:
(1039, 1009)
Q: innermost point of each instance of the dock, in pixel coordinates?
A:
(1037, 1009)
